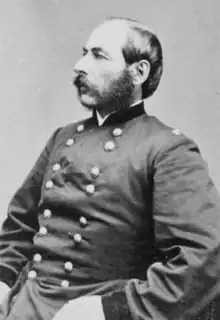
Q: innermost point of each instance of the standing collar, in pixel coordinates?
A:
(123, 115)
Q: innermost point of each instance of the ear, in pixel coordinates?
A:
(140, 71)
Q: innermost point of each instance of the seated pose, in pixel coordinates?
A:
(118, 219)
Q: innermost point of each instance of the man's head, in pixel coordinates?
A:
(121, 63)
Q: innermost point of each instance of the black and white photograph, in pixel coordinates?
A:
(110, 160)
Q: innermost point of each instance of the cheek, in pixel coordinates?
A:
(108, 77)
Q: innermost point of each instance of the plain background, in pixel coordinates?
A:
(40, 40)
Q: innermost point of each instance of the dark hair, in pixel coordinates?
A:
(143, 44)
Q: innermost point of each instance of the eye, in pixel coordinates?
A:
(100, 55)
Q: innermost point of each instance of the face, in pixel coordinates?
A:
(103, 78)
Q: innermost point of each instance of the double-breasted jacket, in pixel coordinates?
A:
(126, 211)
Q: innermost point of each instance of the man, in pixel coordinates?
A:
(118, 219)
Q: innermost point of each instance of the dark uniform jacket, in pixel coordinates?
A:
(126, 211)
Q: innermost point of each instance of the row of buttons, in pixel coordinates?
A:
(68, 266)
(90, 189)
(76, 237)
(109, 145)
(117, 132)
(48, 214)
(33, 274)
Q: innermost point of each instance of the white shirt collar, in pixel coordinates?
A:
(102, 120)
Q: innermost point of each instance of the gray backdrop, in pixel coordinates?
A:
(40, 41)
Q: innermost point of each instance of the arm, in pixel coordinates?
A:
(21, 224)
(187, 224)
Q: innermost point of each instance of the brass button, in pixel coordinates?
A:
(43, 231)
(69, 142)
(90, 189)
(32, 274)
(49, 184)
(56, 167)
(47, 213)
(95, 172)
(37, 257)
(68, 266)
(83, 221)
(65, 284)
(109, 146)
(77, 238)
(117, 132)
(80, 128)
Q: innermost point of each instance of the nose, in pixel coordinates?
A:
(81, 66)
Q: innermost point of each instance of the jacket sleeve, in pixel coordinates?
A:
(21, 223)
(187, 223)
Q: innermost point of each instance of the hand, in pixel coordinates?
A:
(84, 308)
(4, 290)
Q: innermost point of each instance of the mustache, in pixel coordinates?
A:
(81, 80)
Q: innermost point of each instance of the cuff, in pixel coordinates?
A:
(115, 306)
(7, 276)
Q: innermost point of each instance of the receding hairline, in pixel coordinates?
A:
(132, 29)
(130, 23)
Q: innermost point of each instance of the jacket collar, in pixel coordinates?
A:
(121, 116)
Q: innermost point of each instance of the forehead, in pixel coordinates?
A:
(110, 36)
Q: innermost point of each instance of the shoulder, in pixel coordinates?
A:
(161, 130)
(164, 137)
(166, 143)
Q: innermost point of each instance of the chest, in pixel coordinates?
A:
(101, 174)
(98, 154)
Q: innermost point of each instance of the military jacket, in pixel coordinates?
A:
(126, 211)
